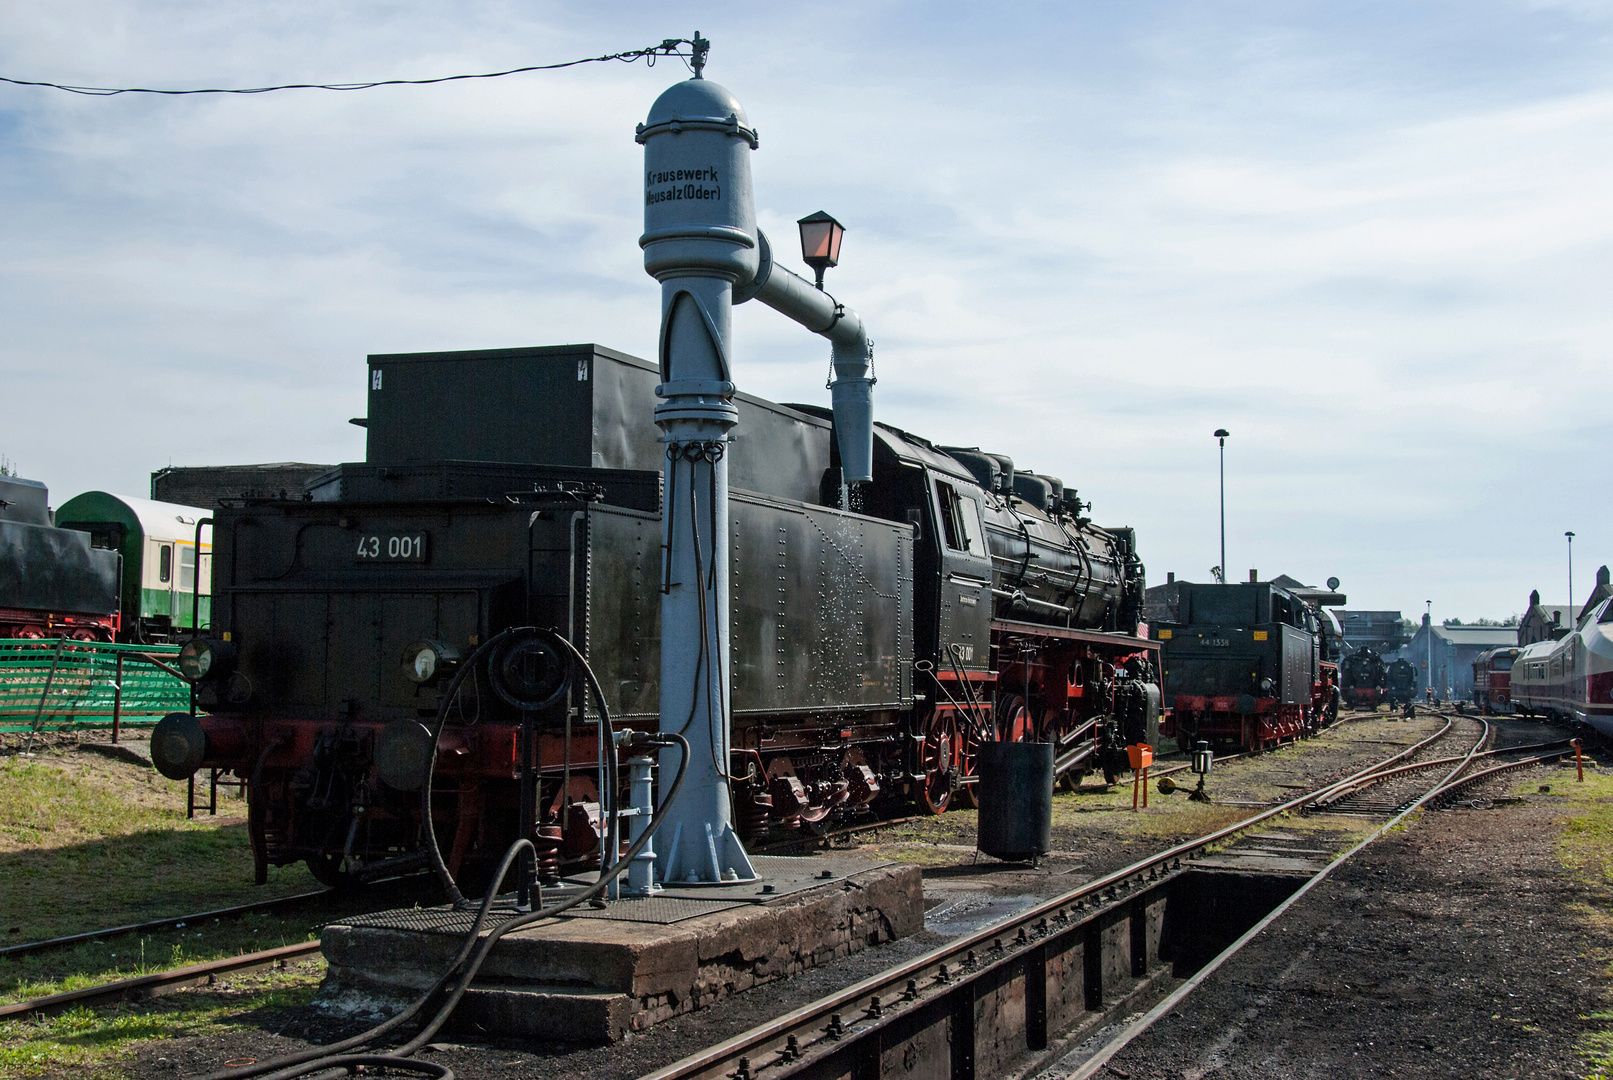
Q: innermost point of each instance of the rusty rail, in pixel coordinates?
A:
(900, 1010)
(158, 924)
(158, 982)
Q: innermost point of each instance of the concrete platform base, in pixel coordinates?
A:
(601, 973)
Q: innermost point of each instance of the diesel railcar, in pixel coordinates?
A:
(1244, 666)
(873, 649)
(1570, 678)
(53, 582)
(1492, 680)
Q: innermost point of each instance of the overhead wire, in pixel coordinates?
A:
(694, 59)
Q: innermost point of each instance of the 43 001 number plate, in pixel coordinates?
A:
(392, 547)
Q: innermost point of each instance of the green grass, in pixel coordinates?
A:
(1585, 849)
(98, 1044)
(88, 842)
(93, 963)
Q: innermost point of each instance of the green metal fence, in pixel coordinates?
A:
(66, 683)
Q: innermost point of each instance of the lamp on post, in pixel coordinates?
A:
(1203, 759)
(820, 242)
(1221, 435)
(1570, 535)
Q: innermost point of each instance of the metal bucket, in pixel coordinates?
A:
(1016, 800)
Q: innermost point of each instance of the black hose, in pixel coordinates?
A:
(328, 1057)
(455, 897)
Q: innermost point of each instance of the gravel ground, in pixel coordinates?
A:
(1413, 954)
(1460, 947)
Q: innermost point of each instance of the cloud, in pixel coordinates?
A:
(1372, 242)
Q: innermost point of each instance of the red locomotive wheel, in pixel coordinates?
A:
(1014, 722)
(937, 758)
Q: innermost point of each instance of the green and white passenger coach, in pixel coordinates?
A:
(161, 560)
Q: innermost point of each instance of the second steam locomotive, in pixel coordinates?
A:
(874, 647)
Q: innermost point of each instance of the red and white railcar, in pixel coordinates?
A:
(1572, 678)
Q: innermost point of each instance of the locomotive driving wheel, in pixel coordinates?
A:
(938, 760)
(1014, 723)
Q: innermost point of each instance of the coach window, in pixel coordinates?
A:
(187, 569)
(165, 563)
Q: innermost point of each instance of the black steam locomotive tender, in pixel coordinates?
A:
(873, 649)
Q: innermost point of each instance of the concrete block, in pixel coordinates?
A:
(593, 979)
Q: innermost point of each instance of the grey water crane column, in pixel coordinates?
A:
(701, 243)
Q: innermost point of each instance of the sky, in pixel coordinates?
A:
(1372, 240)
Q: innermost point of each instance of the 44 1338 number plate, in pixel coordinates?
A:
(392, 547)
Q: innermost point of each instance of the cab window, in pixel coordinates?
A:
(949, 519)
(960, 520)
(973, 537)
(1607, 613)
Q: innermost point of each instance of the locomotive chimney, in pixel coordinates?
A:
(1254, 576)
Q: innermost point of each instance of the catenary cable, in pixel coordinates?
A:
(695, 58)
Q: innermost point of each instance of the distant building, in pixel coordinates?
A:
(1545, 622)
(1381, 631)
(1444, 654)
(1548, 622)
(209, 486)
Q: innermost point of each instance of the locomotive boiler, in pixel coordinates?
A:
(874, 648)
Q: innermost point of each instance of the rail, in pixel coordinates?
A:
(941, 981)
(158, 924)
(86, 683)
(1099, 1060)
(160, 981)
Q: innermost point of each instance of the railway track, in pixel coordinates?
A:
(783, 1044)
(161, 924)
(147, 985)
(162, 981)
(1015, 998)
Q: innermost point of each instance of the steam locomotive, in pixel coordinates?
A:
(53, 582)
(875, 646)
(1246, 665)
(1401, 685)
(1364, 678)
